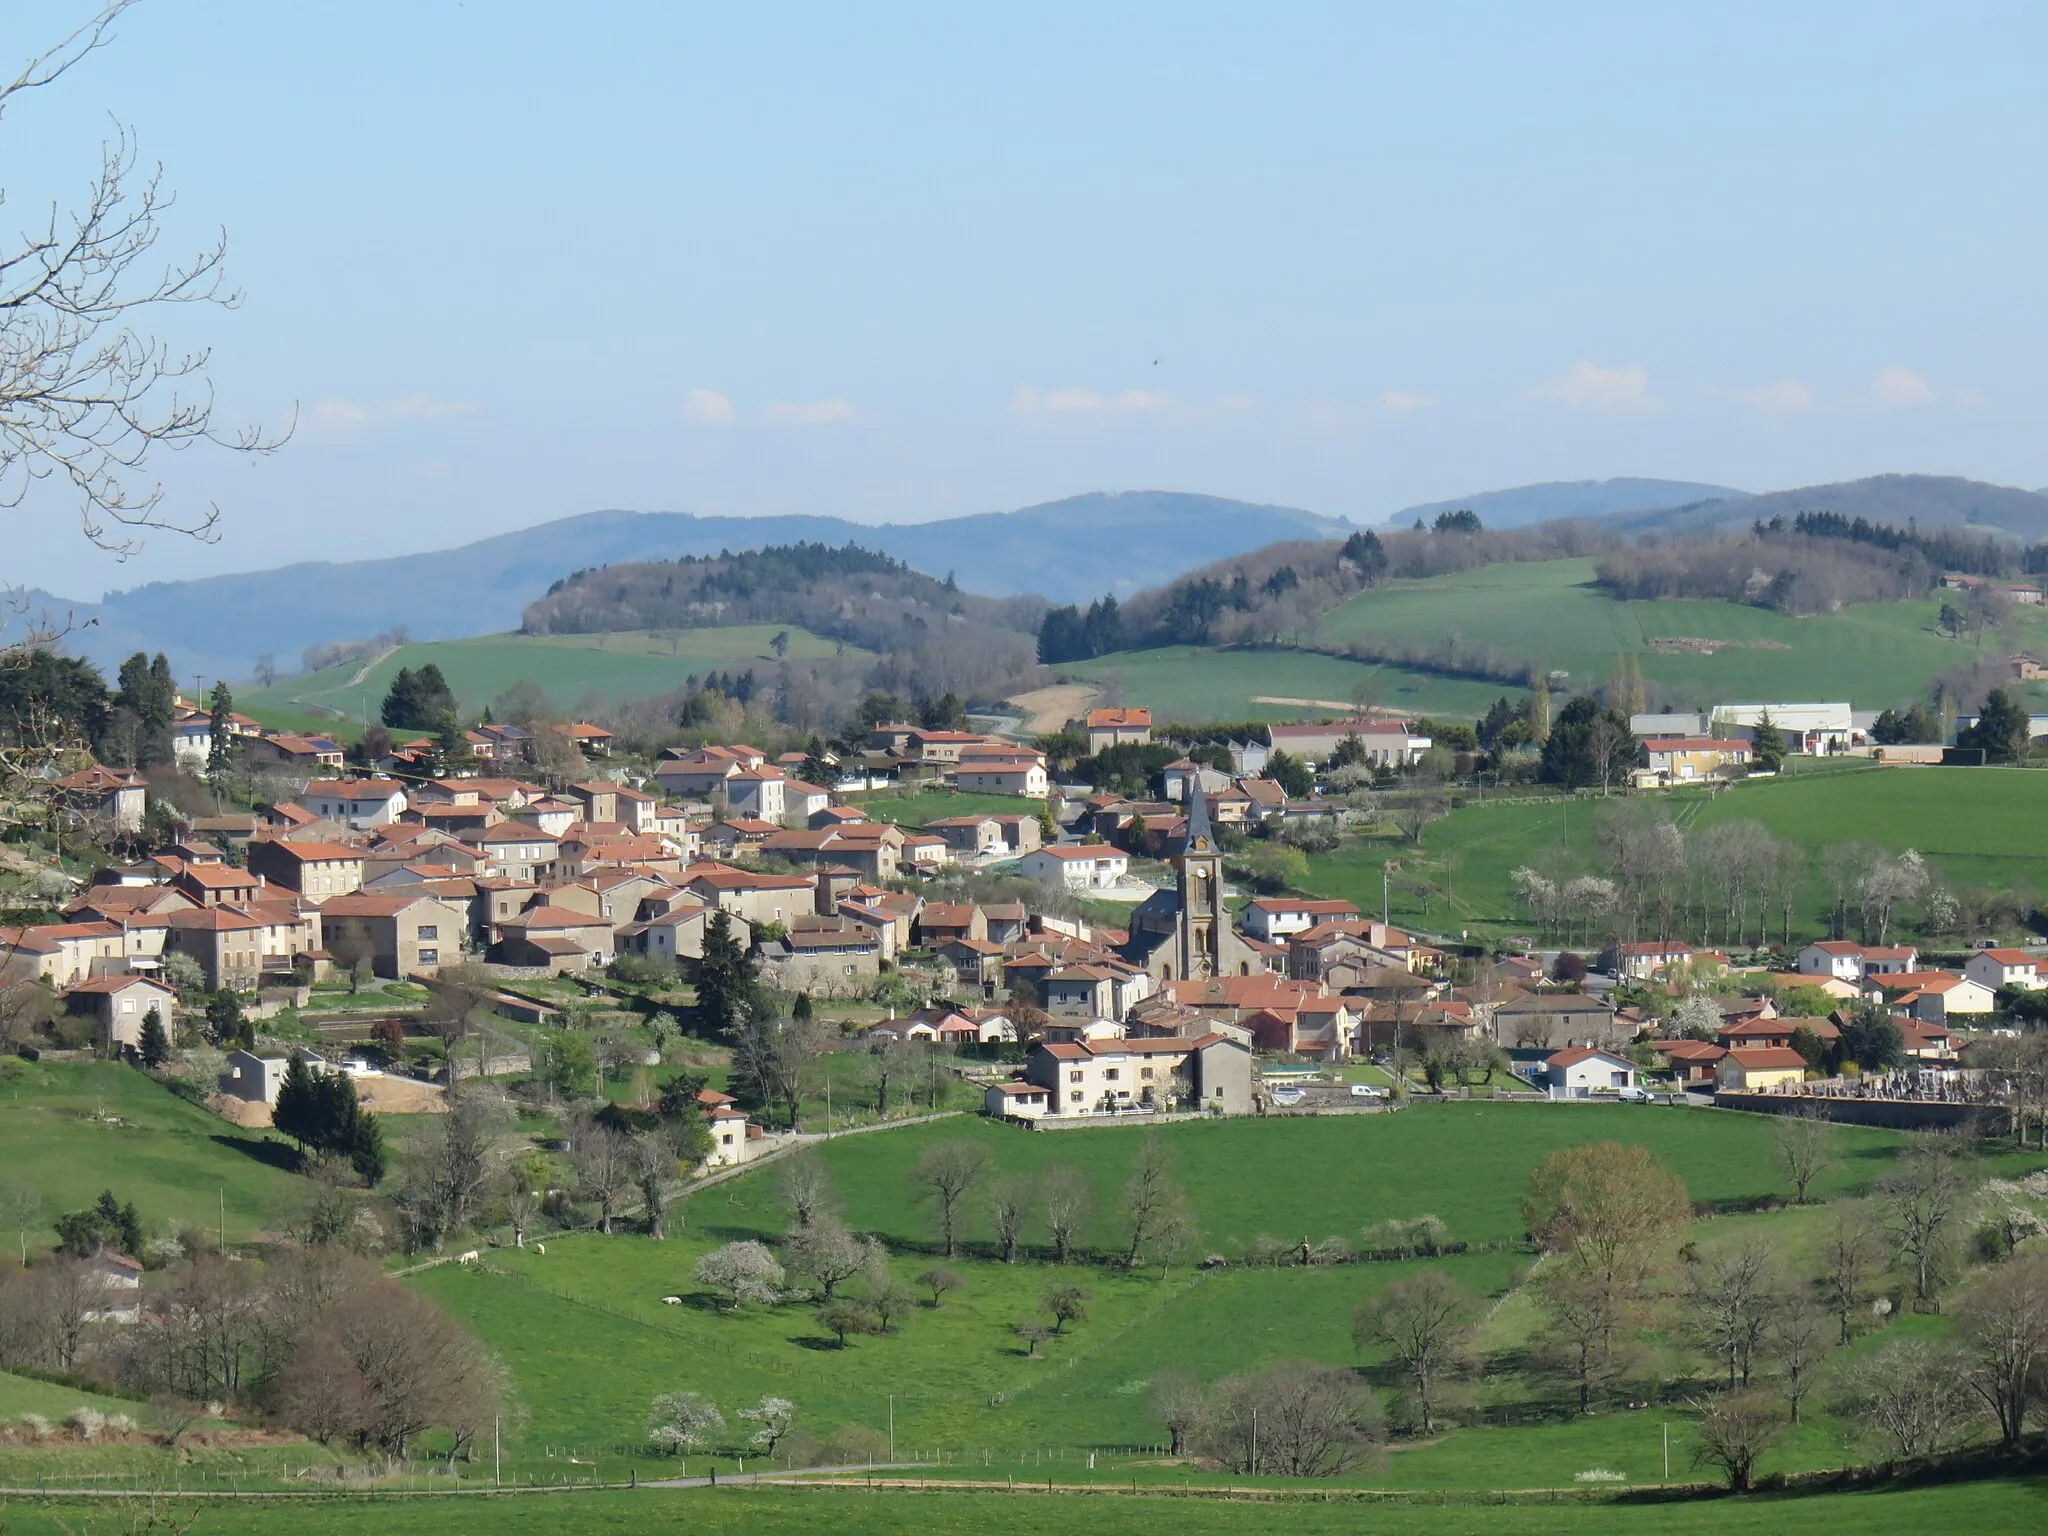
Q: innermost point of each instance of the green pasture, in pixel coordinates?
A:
(1970, 823)
(633, 664)
(929, 805)
(1191, 683)
(72, 1129)
(1991, 1507)
(1317, 1177)
(1874, 654)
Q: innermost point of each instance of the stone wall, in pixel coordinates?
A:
(1891, 1114)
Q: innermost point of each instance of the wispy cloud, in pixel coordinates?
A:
(342, 415)
(1787, 397)
(1895, 387)
(707, 408)
(1400, 401)
(1589, 387)
(811, 413)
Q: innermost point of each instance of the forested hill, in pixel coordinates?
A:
(848, 593)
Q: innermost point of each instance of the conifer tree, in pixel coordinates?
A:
(155, 1045)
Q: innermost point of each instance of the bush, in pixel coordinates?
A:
(850, 1445)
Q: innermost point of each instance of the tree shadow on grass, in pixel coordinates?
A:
(274, 1153)
(815, 1341)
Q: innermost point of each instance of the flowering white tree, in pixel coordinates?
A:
(682, 1421)
(771, 1421)
(744, 1271)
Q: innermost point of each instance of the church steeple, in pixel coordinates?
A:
(1198, 835)
(1201, 887)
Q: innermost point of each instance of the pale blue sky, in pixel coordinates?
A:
(516, 261)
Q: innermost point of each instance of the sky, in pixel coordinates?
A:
(506, 262)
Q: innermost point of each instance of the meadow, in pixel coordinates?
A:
(1874, 654)
(1549, 613)
(72, 1129)
(1989, 1507)
(929, 805)
(565, 667)
(1963, 820)
(1192, 683)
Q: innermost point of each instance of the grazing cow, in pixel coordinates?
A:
(469, 1257)
(671, 1301)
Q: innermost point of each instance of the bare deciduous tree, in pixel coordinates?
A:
(23, 1211)
(606, 1169)
(86, 397)
(1909, 1397)
(1295, 1419)
(1426, 1323)
(1921, 1199)
(1733, 1293)
(804, 1185)
(1735, 1430)
(2002, 1326)
(1068, 1199)
(1588, 1328)
(826, 1252)
(944, 1175)
(1155, 1207)
(1852, 1255)
(1805, 1147)
(1178, 1401)
(1009, 1207)
(1798, 1339)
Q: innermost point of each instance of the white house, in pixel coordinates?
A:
(1015, 1101)
(1995, 968)
(1581, 1072)
(120, 1278)
(1078, 867)
(1273, 918)
(757, 792)
(1640, 961)
(1020, 775)
(356, 803)
(1832, 957)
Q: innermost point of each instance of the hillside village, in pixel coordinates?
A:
(1123, 971)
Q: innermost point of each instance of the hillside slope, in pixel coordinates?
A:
(1945, 501)
(1525, 504)
(220, 624)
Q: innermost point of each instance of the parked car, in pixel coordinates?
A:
(1634, 1095)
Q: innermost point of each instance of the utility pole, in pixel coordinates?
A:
(1386, 901)
(497, 1461)
(892, 1426)
(1255, 1442)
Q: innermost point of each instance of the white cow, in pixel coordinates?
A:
(671, 1301)
(540, 1247)
(470, 1257)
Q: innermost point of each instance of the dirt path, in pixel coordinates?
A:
(1047, 709)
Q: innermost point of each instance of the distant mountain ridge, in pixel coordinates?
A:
(1552, 499)
(1943, 501)
(1070, 551)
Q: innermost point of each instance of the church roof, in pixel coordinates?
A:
(1198, 834)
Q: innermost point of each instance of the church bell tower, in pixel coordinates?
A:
(1201, 890)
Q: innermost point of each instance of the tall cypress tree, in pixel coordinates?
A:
(301, 1108)
(220, 751)
(155, 1046)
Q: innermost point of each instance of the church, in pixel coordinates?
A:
(1184, 934)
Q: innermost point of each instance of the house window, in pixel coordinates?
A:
(429, 931)
(1110, 1075)
(1073, 1077)
(1075, 1097)
(1146, 1074)
(430, 957)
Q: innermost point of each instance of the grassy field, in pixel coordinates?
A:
(915, 810)
(566, 667)
(1990, 1507)
(1549, 613)
(1190, 683)
(1962, 819)
(72, 1129)
(1872, 654)
(958, 1385)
